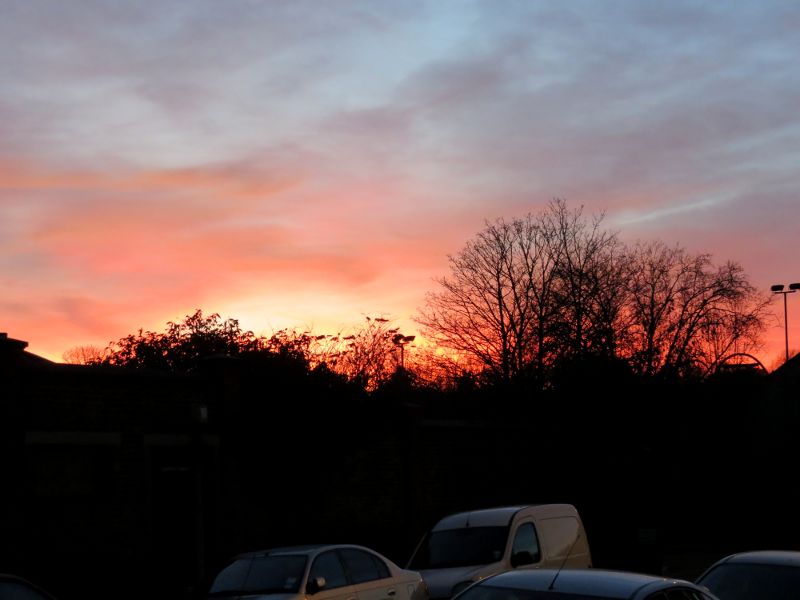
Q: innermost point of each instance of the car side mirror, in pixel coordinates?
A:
(522, 558)
(314, 585)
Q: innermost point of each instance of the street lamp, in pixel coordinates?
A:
(779, 289)
(401, 340)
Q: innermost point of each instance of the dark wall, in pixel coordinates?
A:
(146, 483)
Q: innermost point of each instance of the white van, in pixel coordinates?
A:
(468, 546)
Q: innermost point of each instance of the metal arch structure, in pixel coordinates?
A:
(725, 364)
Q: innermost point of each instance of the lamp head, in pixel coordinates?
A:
(794, 286)
(777, 288)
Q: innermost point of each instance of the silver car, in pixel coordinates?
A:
(757, 575)
(582, 584)
(324, 572)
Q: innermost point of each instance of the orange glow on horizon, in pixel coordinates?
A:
(316, 168)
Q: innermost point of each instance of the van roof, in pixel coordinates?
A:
(502, 515)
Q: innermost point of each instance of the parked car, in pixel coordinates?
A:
(582, 584)
(757, 575)
(323, 572)
(17, 588)
(468, 546)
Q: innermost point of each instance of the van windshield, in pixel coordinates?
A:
(460, 548)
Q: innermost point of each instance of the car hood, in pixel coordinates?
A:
(441, 581)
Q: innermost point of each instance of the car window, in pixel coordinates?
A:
(360, 566)
(329, 566)
(383, 569)
(526, 541)
(261, 574)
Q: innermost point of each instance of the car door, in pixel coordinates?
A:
(337, 587)
(371, 576)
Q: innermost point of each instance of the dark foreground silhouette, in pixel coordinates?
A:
(136, 483)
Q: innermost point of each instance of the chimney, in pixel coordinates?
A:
(9, 345)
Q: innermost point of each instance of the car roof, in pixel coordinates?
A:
(307, 550)
(597, 582)
(765, 557)
(499, 516)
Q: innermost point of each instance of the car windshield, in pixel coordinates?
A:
(260, 574)
(736, 581)
(490, 592)
(460, 548)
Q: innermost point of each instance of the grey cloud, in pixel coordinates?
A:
(662, 103)
(535, 96)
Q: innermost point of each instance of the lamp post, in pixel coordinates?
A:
(401, 340)
(778, 288)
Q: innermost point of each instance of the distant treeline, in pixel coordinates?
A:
(526, 300)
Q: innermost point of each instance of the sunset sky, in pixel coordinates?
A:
(303, 164)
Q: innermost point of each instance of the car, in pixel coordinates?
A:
(582, 584)
(467, 546)
(755, 575)
(319, 572)
(13, 587)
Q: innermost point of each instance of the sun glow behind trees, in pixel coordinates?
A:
(525, 296)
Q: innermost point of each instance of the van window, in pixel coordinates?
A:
(526, 541)
(463, 547)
